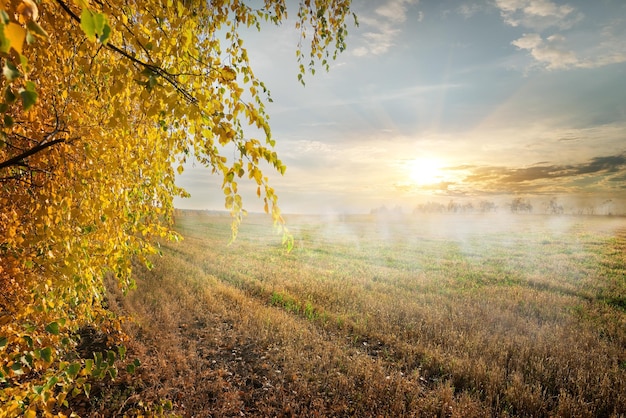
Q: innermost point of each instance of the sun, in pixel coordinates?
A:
(425, 171)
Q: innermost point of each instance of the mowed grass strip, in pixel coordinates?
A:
(419, 316)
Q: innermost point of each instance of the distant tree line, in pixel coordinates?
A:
(520, 205)
(483, 206)
(517, 205)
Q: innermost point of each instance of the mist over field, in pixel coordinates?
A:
(459, 315)
(465, 229)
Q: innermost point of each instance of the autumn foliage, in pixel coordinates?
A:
(102, 103)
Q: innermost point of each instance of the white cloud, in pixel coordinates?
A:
(380, 42)
(528, 41)
(538, 14)
(549, 52)
(383, 27)
(610, 49)
(553, 54)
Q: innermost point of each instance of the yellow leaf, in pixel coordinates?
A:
(258, 175)
(228, 74)
(16, 36)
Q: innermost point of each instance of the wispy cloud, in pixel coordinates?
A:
(544, 177)
(383, 27)
(553, 52)
(556, 51)
(467, 10)
(538, 14)
(394, 10)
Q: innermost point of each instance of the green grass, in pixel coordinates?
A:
(421, 316)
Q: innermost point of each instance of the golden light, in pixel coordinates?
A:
(425, 171)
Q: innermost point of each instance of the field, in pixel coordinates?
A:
(462, 316)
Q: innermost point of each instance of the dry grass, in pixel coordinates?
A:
(450, 316)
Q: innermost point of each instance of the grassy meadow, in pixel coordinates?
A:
(447, 316)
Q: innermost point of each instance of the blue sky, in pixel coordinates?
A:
(438, 100)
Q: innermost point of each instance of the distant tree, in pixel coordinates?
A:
(453, 207)
(487, 206)
(554, 208)
(430, 207)
(606, 207)
(519, 205)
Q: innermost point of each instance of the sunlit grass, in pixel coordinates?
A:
(446, 316)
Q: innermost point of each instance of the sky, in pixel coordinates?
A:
(439, 100)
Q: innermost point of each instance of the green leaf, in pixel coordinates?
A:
(46, 354)
(130, 368)
(5, 44)
(51, 382)
(8, 122)
(88, 366)
(53, 328)
(4, 17)
(87, 23)
(30, 39)
(28, 340)
(73, 369)
(110, 357)
(99, 372)
(99, 20)
(28, 360)
(29, 98)
(17, 369)
(34, 27)
(98, 359)
(24, 63)
(121, 350)
(106, 34)
(152, 81)
(3, 341)
(9, 96)
(10, 71)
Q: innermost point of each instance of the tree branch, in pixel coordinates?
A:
(18, 159)
(153, 68)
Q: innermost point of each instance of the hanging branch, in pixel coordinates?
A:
(155, 69)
